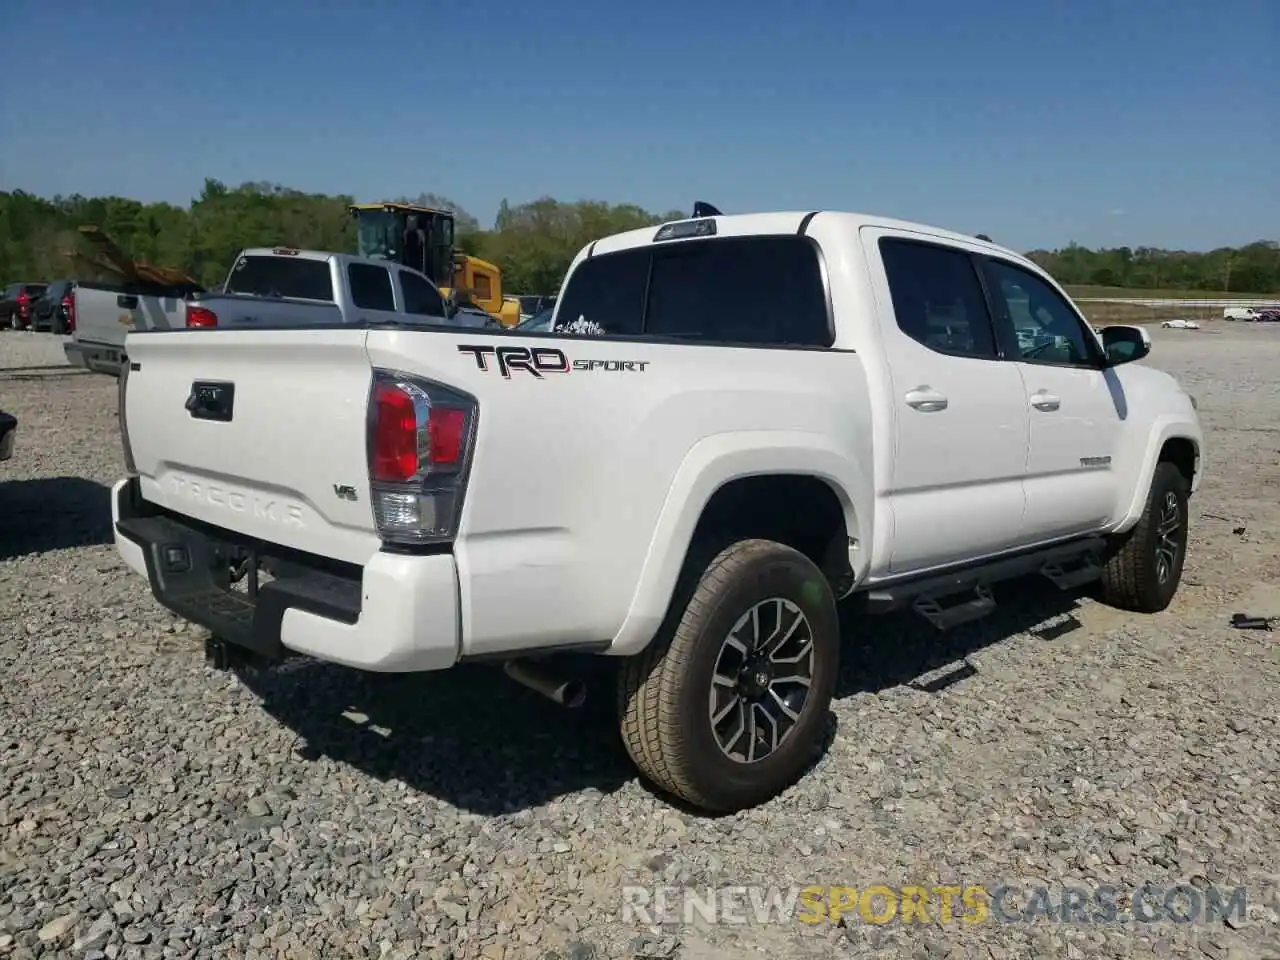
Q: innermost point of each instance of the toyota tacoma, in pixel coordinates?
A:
(767, 413)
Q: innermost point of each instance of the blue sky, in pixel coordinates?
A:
(1037, 122)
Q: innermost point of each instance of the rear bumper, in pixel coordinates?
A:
(396, 614)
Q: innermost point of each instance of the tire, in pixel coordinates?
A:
(665, 693)
(1136, 577)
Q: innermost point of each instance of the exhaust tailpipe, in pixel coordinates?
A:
(567, 693)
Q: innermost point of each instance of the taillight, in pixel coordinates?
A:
(420, 438)
(69, 311)
(395, 434)
(447, 435)
(201, 317)
(24, 304)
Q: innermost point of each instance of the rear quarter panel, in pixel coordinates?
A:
(585, 485)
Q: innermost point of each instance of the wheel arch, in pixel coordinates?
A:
(718, 492)
(1172, 441)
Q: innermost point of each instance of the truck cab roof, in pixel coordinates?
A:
(342, 258)
(782, 222)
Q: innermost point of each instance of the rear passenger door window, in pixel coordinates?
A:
(1041, 325)
(749, 290)
(420, 297)
(938, 299)
(608, 291)
(371, 287)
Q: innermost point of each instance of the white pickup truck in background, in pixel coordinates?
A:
(265, 288)
(779, 411)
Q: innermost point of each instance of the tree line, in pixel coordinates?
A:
(533, 243)
(1251, 269)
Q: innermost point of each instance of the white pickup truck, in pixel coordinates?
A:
(266, 287)
(775, 411)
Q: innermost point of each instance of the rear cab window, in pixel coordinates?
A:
(294, 278)
(755, 290)
(608, 291)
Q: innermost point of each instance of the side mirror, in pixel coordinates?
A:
(1124, 344)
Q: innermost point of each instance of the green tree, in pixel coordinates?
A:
(533, 243)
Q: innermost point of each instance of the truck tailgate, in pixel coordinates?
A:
(261, 432)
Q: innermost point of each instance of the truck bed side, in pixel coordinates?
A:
(581, 477)
(591, 465)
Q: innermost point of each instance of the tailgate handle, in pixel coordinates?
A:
(211, 401)
(127, 300)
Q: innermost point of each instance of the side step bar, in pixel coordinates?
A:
(946, 617)
(1068, 576)
(961, 596)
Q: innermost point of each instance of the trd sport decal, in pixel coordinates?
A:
(537, 361)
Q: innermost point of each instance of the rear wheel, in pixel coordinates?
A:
(726, 707)
(1145, 566)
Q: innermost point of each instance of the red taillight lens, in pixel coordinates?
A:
(69, 308)
(420, 436)
(201, 317)
(447, 429)
(395, 435)
(23, 299)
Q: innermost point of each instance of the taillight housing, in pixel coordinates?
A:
(24, 304)
(69, 311)
(200, 317)
(420, 439)
(121, 388)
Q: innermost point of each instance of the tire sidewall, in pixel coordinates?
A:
(1167, 478)
(780, 572)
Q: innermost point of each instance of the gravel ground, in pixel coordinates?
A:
(151, 807)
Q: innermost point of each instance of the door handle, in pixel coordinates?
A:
(926, 399)
(1045, 401)
(127, 301)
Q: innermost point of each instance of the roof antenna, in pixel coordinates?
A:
(983, 236)
(703, 209)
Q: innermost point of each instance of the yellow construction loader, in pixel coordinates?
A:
(422, 238)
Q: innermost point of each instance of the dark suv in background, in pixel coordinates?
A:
(15, 307)
(55, 311)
